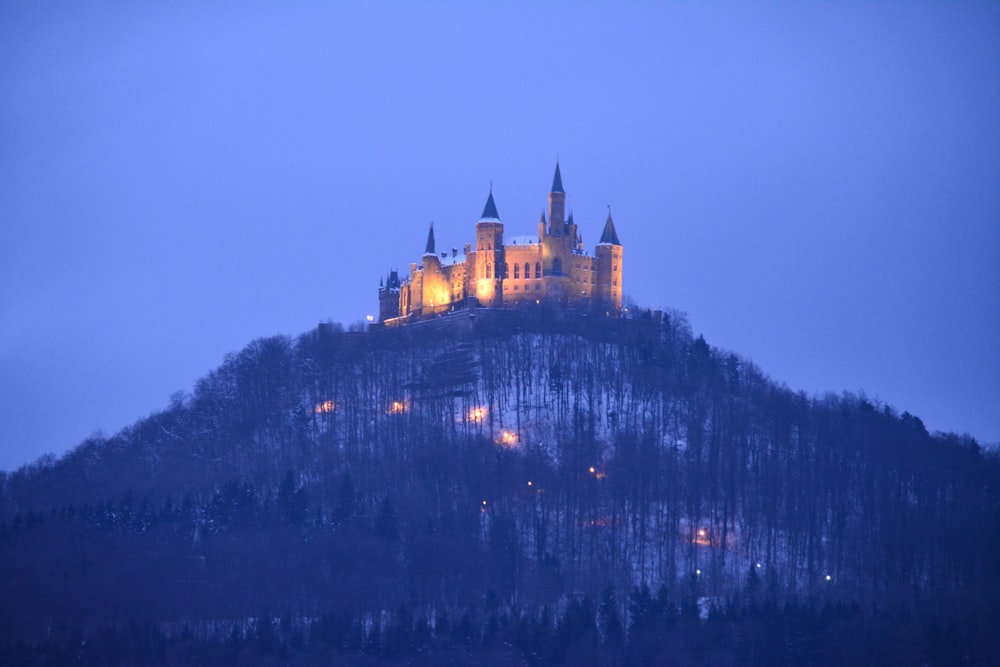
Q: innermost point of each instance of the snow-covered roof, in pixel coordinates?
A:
(449, 259)
(521, 240)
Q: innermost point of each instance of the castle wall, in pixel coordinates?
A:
(523, 282)
(583, 277)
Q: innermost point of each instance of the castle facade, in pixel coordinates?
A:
(551, 268)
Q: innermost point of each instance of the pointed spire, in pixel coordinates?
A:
(429, 250)
(543, 217)
(557, 180)
(609, 235)
(490, 210)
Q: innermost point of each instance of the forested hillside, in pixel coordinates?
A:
(512, 486)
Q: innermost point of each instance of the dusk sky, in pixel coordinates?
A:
(817, 185)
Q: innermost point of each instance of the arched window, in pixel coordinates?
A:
(489, 271)
(506, 270)
(527, 270)
(557, 267)
(538, 270)
(517, 271)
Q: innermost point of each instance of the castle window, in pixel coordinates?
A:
(527, 270)
(489, 271)
(506, 270)
(538, 286)
(515, 288)
(557, 266)
(517, 271)
(538, 270)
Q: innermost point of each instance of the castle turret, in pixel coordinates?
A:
(608, 265)
(489, 255)
(435, 295)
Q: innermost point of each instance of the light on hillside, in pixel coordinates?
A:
(508, 439)
(398, 407)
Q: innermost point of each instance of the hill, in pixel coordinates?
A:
(507, 486)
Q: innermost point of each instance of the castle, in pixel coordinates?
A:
(522, 271)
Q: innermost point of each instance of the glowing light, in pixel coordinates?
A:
(484, 503)
(698, 572)
(398, 407)
(370, 318)
(828, 577)
(529, 482)
(702, 537)
(508, 439)
(758, 566)
(325, 406)
(702, 533)
(592, 470)
(477, 414)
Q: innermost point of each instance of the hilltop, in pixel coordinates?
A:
(507, 484)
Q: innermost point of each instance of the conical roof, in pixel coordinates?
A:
(557, 185)
(429, 250)
(490, 210)
(610, 235)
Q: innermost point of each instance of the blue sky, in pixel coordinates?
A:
(816, 184)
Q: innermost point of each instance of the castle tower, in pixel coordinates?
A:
(388, 297)
(435, 294)
(557, 247)
(489, 261)
(608, 265)
(557, 205)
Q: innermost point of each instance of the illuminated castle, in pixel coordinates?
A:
(551, 268)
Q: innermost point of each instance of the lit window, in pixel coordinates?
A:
(538, 270)
(527, 270)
